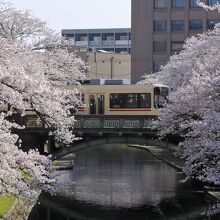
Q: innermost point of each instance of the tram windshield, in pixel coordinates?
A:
(160, 96)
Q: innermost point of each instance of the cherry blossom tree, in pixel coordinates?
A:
(193, 110)
(35, 68)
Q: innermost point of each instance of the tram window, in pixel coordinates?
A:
(92, 105)
(130, 100)
(101, 104)
(145, 100)
(160, 96)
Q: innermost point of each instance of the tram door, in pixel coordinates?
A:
(97, 104)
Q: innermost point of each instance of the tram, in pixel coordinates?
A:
(122, 99)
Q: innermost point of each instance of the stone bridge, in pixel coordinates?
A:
(87, 142)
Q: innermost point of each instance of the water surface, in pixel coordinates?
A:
(121, 183)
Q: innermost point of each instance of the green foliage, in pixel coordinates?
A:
(25, 176)
(6, 202)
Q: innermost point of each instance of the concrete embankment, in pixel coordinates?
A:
(168, 154)
(64, 163)
(165, 153)
(19, 211)
(214, 192)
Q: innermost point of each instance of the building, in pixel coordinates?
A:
(104, 65)
(159, 28)
(113, 40)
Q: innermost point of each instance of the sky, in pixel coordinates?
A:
(79, 14)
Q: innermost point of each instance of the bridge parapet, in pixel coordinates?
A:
(113, 123)
(94, 123)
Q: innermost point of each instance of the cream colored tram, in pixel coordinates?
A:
(122, 99)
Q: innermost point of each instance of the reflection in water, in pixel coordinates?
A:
(117, 182)
(128, 183)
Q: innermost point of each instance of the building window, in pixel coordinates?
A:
(124, 37)
(94, 37)
(157, 65)
(81, 37)
(160, 46)
(121, 36)
(213, 2)
(160, 25)
(177, 25)
(211, 23)
(108, 37)
(176, 46)
(193, 3)
(159, 3)
(195, 25)
(177, 3)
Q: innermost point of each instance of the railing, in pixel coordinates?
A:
(33, 122)
(115, 123)
(95, 43)
(121, 42)
(108, 42)
(30, 121)
(82, 43)
(96, 123)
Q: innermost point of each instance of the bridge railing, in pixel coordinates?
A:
(114, 123)
(30, 121)
(95, 123)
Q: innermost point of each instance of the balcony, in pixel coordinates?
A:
(82, 43)
(95, 43)
(108, 42)
(121, 42)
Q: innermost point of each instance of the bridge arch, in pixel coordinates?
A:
(128, 139)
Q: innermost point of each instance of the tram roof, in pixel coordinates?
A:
(118, 88)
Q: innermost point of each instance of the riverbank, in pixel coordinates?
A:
(6, 203)
(168, 155)
(64, 163)
(214, 192)
(17, 209)
(163, 153)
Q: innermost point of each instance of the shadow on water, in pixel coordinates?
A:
(121, 183)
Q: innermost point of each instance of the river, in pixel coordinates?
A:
(117, 182)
